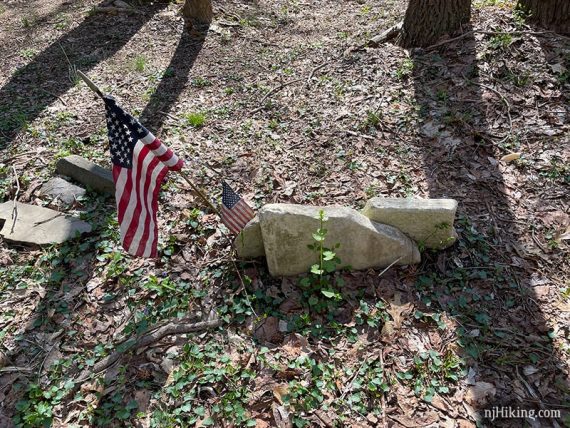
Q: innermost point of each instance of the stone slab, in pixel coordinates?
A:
(429, 222)
(249, 243)
(62, 189)
(38, 225)
(86, 173)
(287, 231)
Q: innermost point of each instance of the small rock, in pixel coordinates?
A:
(430, 129)
(429, 222)
(287, 231)
(122, 4)
(268, 331)
(87, 173)
(249, 243)
(37, 225)
(63, 190)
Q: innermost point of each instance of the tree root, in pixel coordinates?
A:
(148, 339)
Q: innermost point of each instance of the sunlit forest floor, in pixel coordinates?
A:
(274, 99)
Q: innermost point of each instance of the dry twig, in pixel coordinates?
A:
(283, 85)
(15, 207)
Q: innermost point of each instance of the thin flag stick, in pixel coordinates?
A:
(199, 192)
(95, 89)
(89, 83)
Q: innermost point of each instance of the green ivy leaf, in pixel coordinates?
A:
(318, 238)
(328, 255)
(315, 269)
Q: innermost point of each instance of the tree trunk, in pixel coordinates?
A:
(427, 20)
(551, 14)
(198, 13)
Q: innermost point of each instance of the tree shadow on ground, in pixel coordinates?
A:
(174, 82)
(38, 84)
(81, 297)
(487, 281)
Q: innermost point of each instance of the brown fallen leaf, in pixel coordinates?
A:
(397, 312)
(295, 345)
(479, 393)
(260, 423)
(268, 331)
(511, 157)
(281, 417)
(280, 391)
(142, 397)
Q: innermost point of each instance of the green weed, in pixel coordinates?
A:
(432, 372)
(405, 69)
(200, 82)
(500, 41)
(139, 63)
(195, 119)
(28, 53)
(319, 282)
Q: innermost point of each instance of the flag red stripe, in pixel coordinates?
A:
(122, 190)
(241, 219)
(238, 216)
(132, 228)
(131, 198)
(155, 144)
(229, 220)
(150, 168)
(242, 212)
(178, 166)
(150, 217)
(166, 156)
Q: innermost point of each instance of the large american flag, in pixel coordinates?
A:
(236, 213)
(140, 163)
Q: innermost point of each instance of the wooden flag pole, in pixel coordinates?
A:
(199, 193)
(89, 83)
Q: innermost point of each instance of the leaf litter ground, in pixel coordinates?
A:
(273, 100)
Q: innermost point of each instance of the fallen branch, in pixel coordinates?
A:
(389, 34)
(149, 338)
(114, 10)
(454, 39)
(15, 207)
(283, 85)
(274, 90)
(490, 88)
(376, 41)
(314, 70)
(490, 33)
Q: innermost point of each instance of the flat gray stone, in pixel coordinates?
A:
(63, 190)
(38, 225)
(287, 231)
(429, 222)
(86, 173)
(249, 243)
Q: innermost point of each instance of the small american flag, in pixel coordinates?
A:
(236, 213)
(140, 163)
